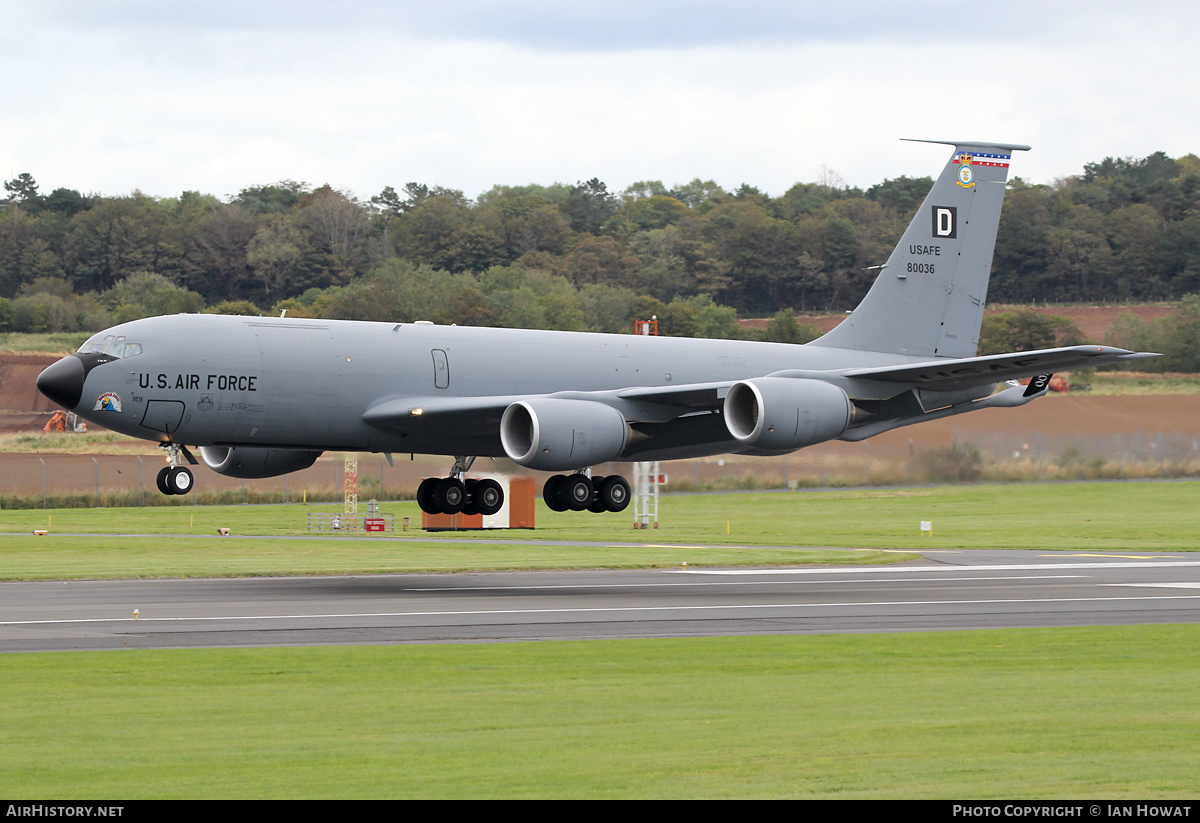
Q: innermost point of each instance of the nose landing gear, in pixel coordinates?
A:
(175, 478)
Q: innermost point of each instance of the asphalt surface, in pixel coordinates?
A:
(949, 590)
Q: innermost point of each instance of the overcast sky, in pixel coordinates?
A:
(218, 95)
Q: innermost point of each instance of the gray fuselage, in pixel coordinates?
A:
(212, 380)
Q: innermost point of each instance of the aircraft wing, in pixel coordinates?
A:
(437, 415)
(968, 372)
(452, 415)
(651, 404)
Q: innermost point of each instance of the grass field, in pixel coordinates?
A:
(1056, 713)
(699, 529)
(1087, 712)
(44, 343)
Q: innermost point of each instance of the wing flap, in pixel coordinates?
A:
(967, 372)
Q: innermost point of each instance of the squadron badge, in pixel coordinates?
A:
(109, 401)
(966, 175)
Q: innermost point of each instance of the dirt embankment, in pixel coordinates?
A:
(22, 406)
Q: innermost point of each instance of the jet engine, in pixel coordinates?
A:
(552, 434)
(250, 463)
(782, 414)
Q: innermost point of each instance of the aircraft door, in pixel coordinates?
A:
(441, 370)
(163, 415)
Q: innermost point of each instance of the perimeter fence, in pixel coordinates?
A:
(72, 480)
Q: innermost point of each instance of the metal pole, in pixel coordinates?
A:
(43, 462)
(142, 478)
(97, 481)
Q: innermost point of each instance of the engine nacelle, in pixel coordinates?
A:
(552, 434)
(249, 463)
(782, 414)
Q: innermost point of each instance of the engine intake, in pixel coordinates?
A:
(552, 434)
(249, 463)
(782, 414)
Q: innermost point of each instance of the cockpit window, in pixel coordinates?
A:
(112, 345)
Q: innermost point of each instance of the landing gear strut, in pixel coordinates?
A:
(453, 494)
(175, 478)
(577, 492)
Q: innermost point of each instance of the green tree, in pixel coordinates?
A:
(24, 256)
(607, 309)
(902, 195)
(715, 321)
(589, 206)
(22, 190)
(243, 308)
(678, 319)
(1135, 234)
(277, 198)
(1026, 330)
(645, 213)
(337, 227)
(470, 307)
(116, 238)
(145, 294)
(783, 328)
(218, 268)
(276, 252)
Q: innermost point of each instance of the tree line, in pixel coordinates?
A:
(571, 256)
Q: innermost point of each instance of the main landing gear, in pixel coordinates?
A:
(562, 492)
(577, 492)
(175, 478)
(453, 494)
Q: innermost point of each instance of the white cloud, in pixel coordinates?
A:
(220, 95)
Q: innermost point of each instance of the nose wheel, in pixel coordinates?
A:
(175, 480)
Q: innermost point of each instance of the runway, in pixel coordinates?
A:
(949, 590)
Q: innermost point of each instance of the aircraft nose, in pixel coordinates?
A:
(62, 382)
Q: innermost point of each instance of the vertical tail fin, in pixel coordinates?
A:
(928, 299)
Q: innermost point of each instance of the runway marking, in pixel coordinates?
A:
(576, 586)
(1123, 556)
(943, 569)
(594, 610)
(1158, 585)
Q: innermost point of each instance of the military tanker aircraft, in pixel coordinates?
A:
(264, 396)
